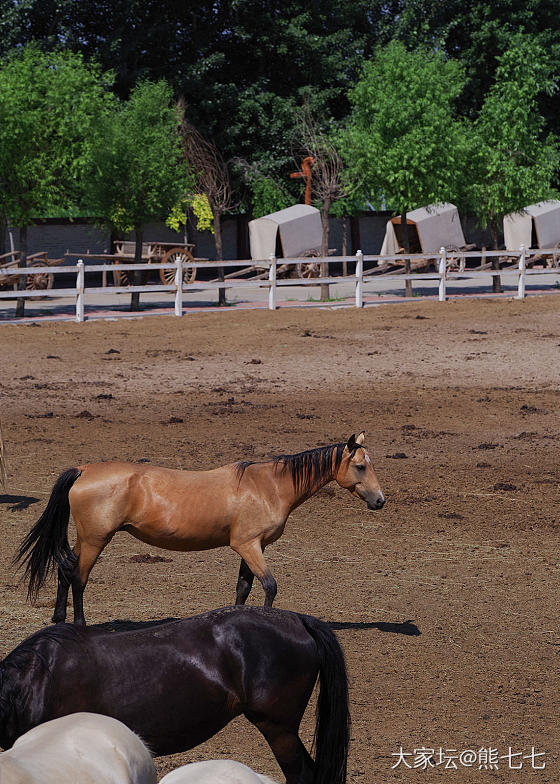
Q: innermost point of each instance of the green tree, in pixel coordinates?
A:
(50, 111)
(138, 168)
(478, 33)
(513, 162)
(402, 141)
(243, 66)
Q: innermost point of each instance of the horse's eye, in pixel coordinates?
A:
(361, 467)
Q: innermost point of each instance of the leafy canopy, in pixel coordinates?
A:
(138, 168)
(402, 141)
(50, 114)
(513, 161)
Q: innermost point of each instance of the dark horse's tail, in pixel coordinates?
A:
(332, 729)
(46, 545)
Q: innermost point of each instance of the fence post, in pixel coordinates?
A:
(80, 285)
(442, 274)
(179, 286)
(522, 267)
(272, 283)
(359, 279)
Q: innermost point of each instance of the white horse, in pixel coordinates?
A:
(83, 747)
(215, 772)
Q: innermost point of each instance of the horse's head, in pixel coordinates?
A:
(355, 473)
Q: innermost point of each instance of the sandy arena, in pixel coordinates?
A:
(446, 601)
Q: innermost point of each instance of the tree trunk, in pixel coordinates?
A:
(406, 246)
(20, 305)
(324, 267)
(496, 280)
(345, 245)
(138, 274)
(219, 252)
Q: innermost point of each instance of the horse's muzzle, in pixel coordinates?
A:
(379, 503)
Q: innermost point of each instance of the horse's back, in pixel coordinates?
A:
(84, 747)
(165, 507)
(215, 772)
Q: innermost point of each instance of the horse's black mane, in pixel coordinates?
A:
(306, 468)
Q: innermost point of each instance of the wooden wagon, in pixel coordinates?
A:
(154, 253)
(535, 226)
(38, 282)
(295, 232)
(429, 229)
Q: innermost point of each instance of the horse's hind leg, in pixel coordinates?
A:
(244, 583)
(88, 555)
(65, 572)
(292, 756)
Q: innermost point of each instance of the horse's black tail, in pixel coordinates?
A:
(46, 545)
(332, 728)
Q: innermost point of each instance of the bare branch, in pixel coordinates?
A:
(329, 183)
(209, 168)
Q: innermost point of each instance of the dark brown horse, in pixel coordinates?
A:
(177, 683)
(244, 505)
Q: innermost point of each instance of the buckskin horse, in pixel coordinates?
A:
(177, 683)
(244, 505)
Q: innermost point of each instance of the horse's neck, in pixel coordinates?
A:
(297, 497)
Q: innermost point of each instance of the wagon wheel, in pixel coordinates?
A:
(121, 277)
(39, 282)
(556, 256)
(456, 261)
(309, 269)
(167, 276)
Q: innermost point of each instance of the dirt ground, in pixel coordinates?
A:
(446, 602)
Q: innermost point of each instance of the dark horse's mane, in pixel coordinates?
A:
(306, 468)
(61, 633)
(19, 658)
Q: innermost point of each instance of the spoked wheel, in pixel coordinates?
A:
(456, 261)
(308, 269)
(121, 277)
(167, 276)
(39, 282)
(556, 256)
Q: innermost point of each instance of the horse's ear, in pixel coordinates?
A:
(351, 443)
(361, 437)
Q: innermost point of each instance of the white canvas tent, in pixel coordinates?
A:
(544, 218)
(298, 227)
(430, 228)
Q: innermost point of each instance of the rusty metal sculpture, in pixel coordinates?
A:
(306, 174)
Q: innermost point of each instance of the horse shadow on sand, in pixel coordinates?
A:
(17, 502)
(408, 628)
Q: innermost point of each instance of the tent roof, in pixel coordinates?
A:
(295, 212)
(431, 212)
(437, 225)
(300, 231)
(518, 225)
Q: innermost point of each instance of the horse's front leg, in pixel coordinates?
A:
(244, 583)
(252, 555)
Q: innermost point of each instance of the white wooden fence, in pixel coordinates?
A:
(362, 277)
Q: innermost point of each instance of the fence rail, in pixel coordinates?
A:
(272, 283)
